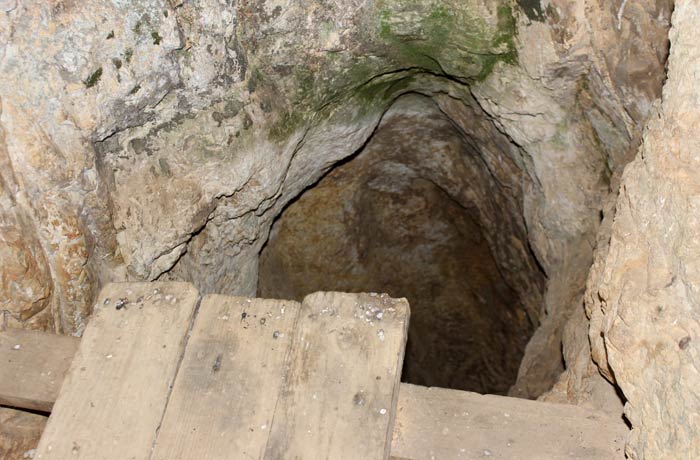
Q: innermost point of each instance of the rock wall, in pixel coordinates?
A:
(159, 140)
(19, 433)
(643, 291)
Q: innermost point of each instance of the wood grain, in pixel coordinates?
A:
(432, 422)
(440, 423)
(33, 365)
(225, 394)
(114, 395)
(341, 390)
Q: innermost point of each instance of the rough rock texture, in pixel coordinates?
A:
(643, 292)
(19, 433)
(626, 76)
(405, 215)
(159, 139)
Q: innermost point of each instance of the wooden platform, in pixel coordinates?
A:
(268, 379)
(248, 379)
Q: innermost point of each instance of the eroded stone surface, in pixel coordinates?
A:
(643, 292)
(19, 433)
(159, 140)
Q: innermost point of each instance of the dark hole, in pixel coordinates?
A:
(394, 219)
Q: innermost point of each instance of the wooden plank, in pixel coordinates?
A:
(32, 367)
(339, 396)
(225, 394)
(437, 423)
(114, 395)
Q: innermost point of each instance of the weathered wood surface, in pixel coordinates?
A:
(339, 396)
(434, 423)
(32, 367)
(114, 395)
(225, 394)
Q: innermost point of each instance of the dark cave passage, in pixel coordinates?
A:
(394, 219)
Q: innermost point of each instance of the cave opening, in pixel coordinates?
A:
(419, 212)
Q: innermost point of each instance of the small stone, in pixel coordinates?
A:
(121, 303)
(217, 364)
(359, 399)
(17, 347)
(382, 411)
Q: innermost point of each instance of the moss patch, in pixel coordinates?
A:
(461, 40)
(450, 39)
(93, 78)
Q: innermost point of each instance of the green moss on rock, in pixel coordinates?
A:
(461, 40)
(452, 39)
(93, 78)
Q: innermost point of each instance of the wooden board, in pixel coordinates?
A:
(441, 422)
(438, 423)
(114, 395)
(32, 367)
(344, 369)
(225, 394)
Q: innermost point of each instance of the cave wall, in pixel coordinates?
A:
(159, 140)
(642, 294)
(417, 213)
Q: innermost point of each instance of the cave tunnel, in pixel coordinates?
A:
(411, 215)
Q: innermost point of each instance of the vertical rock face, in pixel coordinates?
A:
(643, 296)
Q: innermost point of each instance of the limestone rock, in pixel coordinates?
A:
(643, 295)
(160, 139)
(19, 433)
